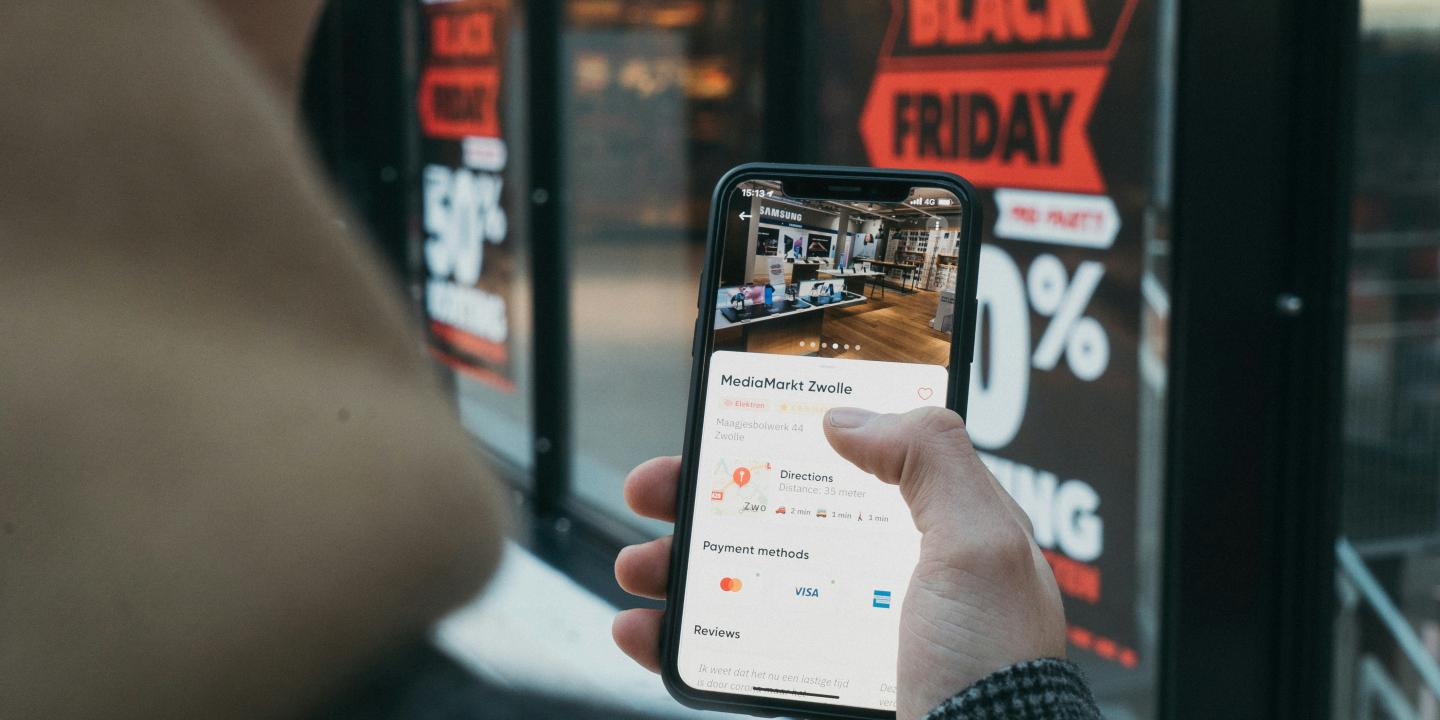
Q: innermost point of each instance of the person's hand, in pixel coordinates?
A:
(644, 570)
(982, 596)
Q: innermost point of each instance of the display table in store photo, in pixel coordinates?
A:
(791, 324)
(854, 279)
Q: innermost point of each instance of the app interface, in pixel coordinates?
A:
(798, 561)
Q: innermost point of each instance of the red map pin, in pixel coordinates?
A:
(741, 476)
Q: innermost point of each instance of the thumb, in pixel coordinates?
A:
(927, 452)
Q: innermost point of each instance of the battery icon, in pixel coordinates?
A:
(946, 201)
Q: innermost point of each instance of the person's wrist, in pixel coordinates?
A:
(1041, 688)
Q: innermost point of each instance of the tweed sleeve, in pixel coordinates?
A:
(1046, 689)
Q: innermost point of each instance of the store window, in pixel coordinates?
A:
(1388, 631)
(470, 255)
(661, 97)
(1061, 115)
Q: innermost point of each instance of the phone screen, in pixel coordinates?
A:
(798, 562)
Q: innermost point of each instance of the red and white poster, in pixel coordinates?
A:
(1052, 109)
(467, 258)
(998, 91)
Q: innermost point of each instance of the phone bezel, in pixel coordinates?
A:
(961, 353)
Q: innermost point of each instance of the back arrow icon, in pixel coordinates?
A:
(744, 216)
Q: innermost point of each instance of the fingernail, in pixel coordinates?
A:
(848, 418)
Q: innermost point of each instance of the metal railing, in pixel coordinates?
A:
(1363, 683)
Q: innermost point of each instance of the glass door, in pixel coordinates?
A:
(1388, 627)
(660, 99)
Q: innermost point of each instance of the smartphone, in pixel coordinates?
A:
(790, 565)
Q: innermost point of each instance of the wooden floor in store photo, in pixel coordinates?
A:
(894, 327)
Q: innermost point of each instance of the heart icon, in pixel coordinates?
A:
(924, 392)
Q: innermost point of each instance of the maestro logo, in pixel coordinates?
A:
(1000, 91)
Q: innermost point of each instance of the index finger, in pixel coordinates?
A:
(651, 487)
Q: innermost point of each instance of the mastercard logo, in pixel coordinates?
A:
(731, 584)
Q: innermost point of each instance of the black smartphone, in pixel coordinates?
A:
(790, 565)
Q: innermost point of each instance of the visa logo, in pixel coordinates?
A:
(807, 592)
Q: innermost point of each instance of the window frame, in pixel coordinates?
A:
(1261, 229)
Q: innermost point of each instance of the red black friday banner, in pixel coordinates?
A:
(467, 253)
(1051, 107)
(998, 91)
